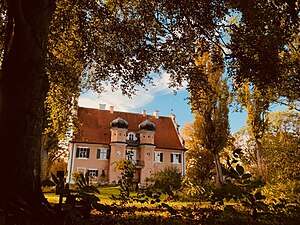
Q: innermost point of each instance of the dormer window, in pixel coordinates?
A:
(131, 136)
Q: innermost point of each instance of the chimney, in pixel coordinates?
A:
(156, 114)
(111, 109)
(102, 106)
(144, 113)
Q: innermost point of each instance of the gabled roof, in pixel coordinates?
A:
(94, 127)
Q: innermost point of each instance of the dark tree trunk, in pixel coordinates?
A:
(23, 88)
(260, 161)
(219, 173)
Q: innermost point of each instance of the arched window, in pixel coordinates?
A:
(131, 136)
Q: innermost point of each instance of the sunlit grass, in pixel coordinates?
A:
(105, 193)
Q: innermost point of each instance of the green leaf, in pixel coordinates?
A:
(82, 179)
(246, 176)
(237, 152)
(87, 178)
(95, 190)
(240, 169)
(259, 196)
(47, 183)
(54, 178)
(233, 173)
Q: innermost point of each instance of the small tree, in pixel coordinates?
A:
(168, 181)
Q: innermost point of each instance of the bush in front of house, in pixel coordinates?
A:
(168, 181)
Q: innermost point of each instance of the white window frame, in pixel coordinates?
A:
(176, 156)
(103, 153)
(93, 170)
(82, 155)
(157, 158)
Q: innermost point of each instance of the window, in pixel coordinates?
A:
(175, 158)
(131, 136)
(82, 153)
(131, 155)
(158, 157)
(93, 173)
(103, 153)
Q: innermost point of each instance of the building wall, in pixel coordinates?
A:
(167, 160)
(146, 153)
(147, 137)
(85, 164)
(118, 135)
(118, 153)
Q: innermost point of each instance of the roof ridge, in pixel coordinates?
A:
(115, 111)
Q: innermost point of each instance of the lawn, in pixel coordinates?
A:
(105, 193)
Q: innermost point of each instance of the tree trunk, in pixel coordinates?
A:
(219, 178)
(260, 161)
(23, 88)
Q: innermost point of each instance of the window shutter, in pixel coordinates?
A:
(88, 153)
(179, 158)
(108, 154)
(161, 157)
(171, 157)
(77, 152)
(96, 173)
(98, 153)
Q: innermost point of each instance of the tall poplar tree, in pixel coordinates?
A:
(210, 105)
(257, 105)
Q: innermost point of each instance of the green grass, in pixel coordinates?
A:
(105, 193)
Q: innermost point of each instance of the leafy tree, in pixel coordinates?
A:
(55, 152)
(281, 156)
(257, 105)
(264, 46)
(200, 162)
(243, 140)
(281, 144)
(210, 105)
(168, 180)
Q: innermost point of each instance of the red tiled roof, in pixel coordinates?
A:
(94, 127)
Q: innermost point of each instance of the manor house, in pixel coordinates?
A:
(104, 137)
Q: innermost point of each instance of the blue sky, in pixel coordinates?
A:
(158, 97)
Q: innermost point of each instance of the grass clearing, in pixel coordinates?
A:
(107, 191)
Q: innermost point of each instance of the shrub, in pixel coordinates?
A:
(168, 181)
(76, 176)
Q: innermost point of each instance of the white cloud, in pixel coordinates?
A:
(123, 103)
